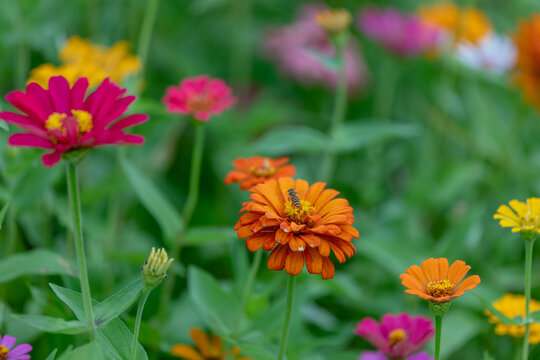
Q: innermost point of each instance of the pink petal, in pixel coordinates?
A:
(51, 159)
(128, 121)
(20, 350)
(8, 341)
(59, 90)
(41, 96)
(23, 122)
(27, 105)
(78, 91)
(30, 140)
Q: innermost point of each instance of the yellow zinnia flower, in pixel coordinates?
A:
(520, 216)
(81, 58)
(512, 305)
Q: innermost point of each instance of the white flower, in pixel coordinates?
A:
(494, 53)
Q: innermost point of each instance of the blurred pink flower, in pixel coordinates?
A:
(199, 96)
(400, 33)
(8, 352)
(396, 336)
(377, 355)
(61, 119)
(303, 51)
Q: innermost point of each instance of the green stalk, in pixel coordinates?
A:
(288, 315)
(138, 319)
(338, 115)
(146, 32)
(240, 47)
(385, 89)
(247, 291)
(528, 266)
(73, 191)
(438, 329)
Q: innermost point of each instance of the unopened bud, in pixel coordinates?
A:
(155, 268)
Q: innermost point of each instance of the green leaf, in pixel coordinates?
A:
(34, 262)
(4, 125)
(517, 320)
(53, 325)
(292, 139)
(90, 351)
(209, 234)
(3, 213)
(535, 317)
(168, 218)
(72, 299)
(356, 135)
(52, 355)
(115, 342)
(118, 303)
(217, 307)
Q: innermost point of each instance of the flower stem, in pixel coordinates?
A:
(136, 329)
(528, 266)
(438, 329)
(194, 176)
(247, 291)
(146, 32)
(385, 89)
(288, 315)
(338, 115)
(73, 190)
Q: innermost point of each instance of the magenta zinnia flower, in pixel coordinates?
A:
(303, 50)
(8, 352)
(63, 120)
(397, 336)
(199, 96)
(377, 355)
(402, 34)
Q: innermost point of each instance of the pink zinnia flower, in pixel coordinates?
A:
(397, 336)
(377, 355)
(8, 352)
(199, 96)
(63, 120)
(402, 34)
(303, 50)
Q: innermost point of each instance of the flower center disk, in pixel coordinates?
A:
(298, 214)
(199, 102)
(79, 123)
(3, 352)
(396, 336)
(265, 170)
(440, 288)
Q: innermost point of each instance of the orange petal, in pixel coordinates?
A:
(457, 272)
(186, 352)
(314, 192)
(201, 341)
(255, 242)
(311, 240)
(412, 282)
(324, 248)
(314, 262)
(235, 176)
(294, 263)
(325, 197)
(270, 243)
(244, 232)
(416, 272)
(276, 260)
(328, 269)
(468, 284)
(284, 184)
(430, 268)
(297, 244)
(301, 188)
(241, 163)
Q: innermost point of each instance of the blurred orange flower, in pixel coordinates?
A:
(257, 169)
(300, 224)
(438, 283)
(206, 348)
(462, 24)
(527, 39)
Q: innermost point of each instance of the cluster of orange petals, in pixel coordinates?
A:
(206, 348)
(257, 169)
(326, 226)
(437, 282)
(527, 76)
(463, 24)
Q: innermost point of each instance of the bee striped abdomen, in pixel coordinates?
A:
(293, 196)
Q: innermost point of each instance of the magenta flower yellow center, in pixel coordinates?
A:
(4, 351)
(57, 121)
(266, 170)
(396, 336)
(298, 214)
(199, 102)
(440, 288)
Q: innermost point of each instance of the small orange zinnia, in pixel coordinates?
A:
(206, 348)
(257, 169)
(300, 224)
(527, 75)
(437, 282)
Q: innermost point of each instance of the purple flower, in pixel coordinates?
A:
(402, 34)
(377, 355)
(397, 336)
(8, 352)
(303, 51)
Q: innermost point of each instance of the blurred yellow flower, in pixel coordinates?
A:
(335, 21)
(463, 24)
(81, 58)
(512, 305)
(520, 216)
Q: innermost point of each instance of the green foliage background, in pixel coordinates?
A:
(424, 182)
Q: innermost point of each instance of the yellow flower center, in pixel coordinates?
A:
(266, 170)
(4, 351)
(440, 288)
(56, 121)
(396, 336)
(200, 102)
(298, 214)
(333, 20)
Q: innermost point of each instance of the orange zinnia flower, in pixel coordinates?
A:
(527, 76)
(205, 348)
(258, 169)
(435, 282)
(299, 223)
